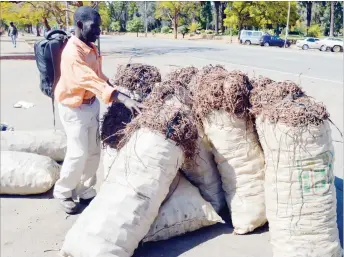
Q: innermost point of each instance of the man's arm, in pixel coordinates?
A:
(86, 78)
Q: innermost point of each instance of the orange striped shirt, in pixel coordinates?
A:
(81, 75)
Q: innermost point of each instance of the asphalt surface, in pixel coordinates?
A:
(323, 66)
(36, 226)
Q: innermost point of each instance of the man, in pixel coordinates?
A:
(13, 33)
(81, 81)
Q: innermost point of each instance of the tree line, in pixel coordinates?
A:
(307, 18)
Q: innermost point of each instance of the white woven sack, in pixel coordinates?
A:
(184, 211)
(43, 142)
(128, 201)
(299, 190)
(206, 177)
(240, 162)
(27, 173)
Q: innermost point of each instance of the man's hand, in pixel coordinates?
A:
(127, 101)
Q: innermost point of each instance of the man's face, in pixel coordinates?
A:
(90, 30)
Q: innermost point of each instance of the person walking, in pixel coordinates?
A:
(81, 81)
(13, 33)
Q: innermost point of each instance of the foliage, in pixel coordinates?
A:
(183, 30)
(194, 27)
(105, 15)
(206, 16)
(165, 30)
(115, 26)
(172, 11)
(314, 30)
(135, 25)
(299, 28)
(259, 14)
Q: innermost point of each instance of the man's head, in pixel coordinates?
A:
(87, 24)
(11, 24)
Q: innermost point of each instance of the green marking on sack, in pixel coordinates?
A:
(315, 173)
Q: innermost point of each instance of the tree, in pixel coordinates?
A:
(206, 15)
(222, 15)
(332, 19)
(150, 11)
(260, 14)
(172, 11)
(135, 25)
(115, 26)
(183, 30)
(308, 5)
(118, 11)
(194, 27)
(216, 14)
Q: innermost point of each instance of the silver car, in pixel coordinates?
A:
(249, 37)
(309, 43)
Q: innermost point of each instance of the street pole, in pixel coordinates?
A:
(146, 29)
(67, 16)
(287, 28)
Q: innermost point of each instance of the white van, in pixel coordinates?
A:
(249, 37)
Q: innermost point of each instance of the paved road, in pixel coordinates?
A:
(36, 226)
(326, 67)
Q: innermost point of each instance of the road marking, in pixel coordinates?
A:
(283, 72)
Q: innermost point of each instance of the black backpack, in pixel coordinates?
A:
(48, 53)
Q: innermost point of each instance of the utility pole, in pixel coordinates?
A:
(146, 27)
(67, 16)
(287, 28)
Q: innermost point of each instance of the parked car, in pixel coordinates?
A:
(331, 43)
(249, 37)
(268, 40)
(309, 43)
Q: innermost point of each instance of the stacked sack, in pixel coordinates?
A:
(300, 195)
(221, 101)
(211, 138)
(29, 160)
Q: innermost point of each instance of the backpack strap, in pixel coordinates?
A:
(55, 51)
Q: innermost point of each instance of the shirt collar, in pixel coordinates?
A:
(85, 48)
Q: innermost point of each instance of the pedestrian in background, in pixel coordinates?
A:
(13, 33)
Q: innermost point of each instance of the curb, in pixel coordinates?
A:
(17, 57)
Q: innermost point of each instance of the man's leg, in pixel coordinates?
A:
(76, 155)
(86, 190)
(13, 40)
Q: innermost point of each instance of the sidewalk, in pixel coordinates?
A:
(22, 52)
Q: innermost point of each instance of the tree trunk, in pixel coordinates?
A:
(46, 24)
(309, 14)
(37, 30)
(332, 19)
(222, 16)
(217, 7)
(137, 33)
(175, 26)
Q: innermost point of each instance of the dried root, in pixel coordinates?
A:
(183, 75)
(114, 121)
(264, 94)
(137, 77)
(175, 123)
(299, 112)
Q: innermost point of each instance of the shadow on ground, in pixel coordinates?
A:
(153, 51)
(178, 245)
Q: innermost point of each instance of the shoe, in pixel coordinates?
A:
(69, 206)
(85, 201)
